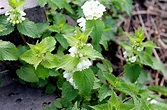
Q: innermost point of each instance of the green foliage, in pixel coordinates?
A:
(132, 71)
(15, 3)
(75, 67)
(98, 28)
(29, 28)
(84, 81)
(123, 5)
(160, 89)
(2, 28)
(6, 27)
(27, 73)
(41, 53)
(8, 51)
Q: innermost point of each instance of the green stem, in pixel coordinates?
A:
(23, 38)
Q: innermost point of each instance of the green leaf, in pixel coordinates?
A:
(2, 28)
(7, 27)
(106, 106)
(149, 44)
(104, 92)
(53, 72)
(50, 88)
(61, 4)
(68, 92)
(160, 89)
(8, 51)
(110, 78)
(158, 65)
(42, 27)
(42, 3)
(15, 3)
(90, 52)
(31, 58)
(124, 5)
(29, 29)
(42, 72)
(50, 61)
(126, 45)
(68, 62)
(49, 42)
(27, 73)
(71, 40)
(98, 28)
(114, 100)
(60, 38)
(84, 80)
(132, 71)
(145, 59)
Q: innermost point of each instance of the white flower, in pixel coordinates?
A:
(93, 9)
(82, 23)
(73, 50)
(15, 16)
(84, 64)
(72, 83)
(67, 75)
(153, 102)
(126, 54)
(132, 59)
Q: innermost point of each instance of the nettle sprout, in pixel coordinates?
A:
(15, 16)
(92, 10)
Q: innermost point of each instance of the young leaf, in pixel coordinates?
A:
(29, 29)
(104, 92)
(114, 100)
(105, 106)
(149, 44)
(84, 80)
(60, 38)
(7, 27)
(90, 52)
(98, 28)
(158, 65)
(27, 73)
(160, 89)
(68, 62)
(49, 42)
(31, 58)
(145, 59)
(42, 72)
(8, 51)
(50, 61)
(132, 71)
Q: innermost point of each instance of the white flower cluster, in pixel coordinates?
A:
(69, 78)
(82, 23)
(92, 10)
(152, 101)
(15, 16)
(129, 57)
(83, 64)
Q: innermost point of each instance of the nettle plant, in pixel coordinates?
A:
(69, 60)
